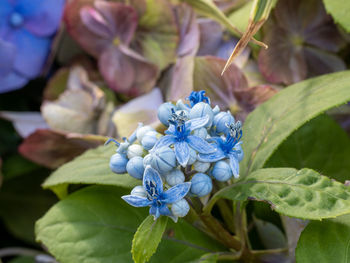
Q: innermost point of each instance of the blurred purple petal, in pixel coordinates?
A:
(11, 82)
(95, 22)
(46, 18)
(85, 38)
(121, 18)
(7, 55)
(127, 72)
(31, 52)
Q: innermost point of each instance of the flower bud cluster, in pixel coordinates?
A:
(201, 144)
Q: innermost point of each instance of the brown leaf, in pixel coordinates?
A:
(52, 148)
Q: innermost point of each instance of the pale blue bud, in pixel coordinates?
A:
(141, 131)
(139, 191)
(201, 184)
(180, 105)
(118, 163)
(201, 132)
(221, 120)
(147, 160)
(193, 157)
(216, 109)
(135, 150)
(150, 139)
(174, 177)
(222, 171)
(201, 167)
(135, 167)
(163, 160)
(164, 112)
(200, 110)
(180, 208)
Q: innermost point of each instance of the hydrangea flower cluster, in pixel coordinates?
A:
(200, 144)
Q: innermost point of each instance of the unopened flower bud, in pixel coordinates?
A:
(201, 184)
(135, 167)
(222, 171)
(180, 208)
(118, 163)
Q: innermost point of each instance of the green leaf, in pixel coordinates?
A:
(22, 260)
(22, 202)
(95, 225)
(339, 10)
(147, 238)
(272, 122)
(92, 167)
(320, 144)
(302, 194)
(326, 241)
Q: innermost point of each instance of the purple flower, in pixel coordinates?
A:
(26, 27)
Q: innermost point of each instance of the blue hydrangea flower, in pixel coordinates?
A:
(26, 28)
(226, 148)
(179, 135)
(156, 198)
(196, 97)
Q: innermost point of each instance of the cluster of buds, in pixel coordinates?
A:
(200, 144)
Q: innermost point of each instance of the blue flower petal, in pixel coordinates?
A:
(43, 20)
(136, 201)
(182, 152)
(7, 55)
(212, 157)
(152, 179)
(175, 193)
(199, 144)
(31, 52)
(170, 130)
(164, 210)
(166, 141)
(153, 210)
(11, 82)
(197, 123)
(234, 164)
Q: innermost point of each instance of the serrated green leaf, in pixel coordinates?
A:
(302, 194)
(324, 242)
(92, 167)
(320, 144)
(339, 10)
(147, 238)
(95, 225)
(272, 122)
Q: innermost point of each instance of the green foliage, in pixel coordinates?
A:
(22, 202)
(302, 194)
(272, 122)
(320, 144)
(339, 10)
(96, 224)
(22, 260)
(147, 238)
(92, 167)
(325, 241)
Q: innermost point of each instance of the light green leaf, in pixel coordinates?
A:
(92, 167)
(339, 10)
(320, 144)
(95, 225)
(272, 122)
(302, 194)
(326, 241)
(147, 238)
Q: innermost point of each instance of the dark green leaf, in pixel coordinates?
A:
(325, 241)
(95, 224)
(320, 144)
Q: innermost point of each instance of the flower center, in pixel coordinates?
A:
(178, 120)
(16, 19)
(233, 137)
(196, 97)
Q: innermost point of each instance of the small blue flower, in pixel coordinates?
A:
(196, 97)
(179, 135)
(156, 198)
(226, 148)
